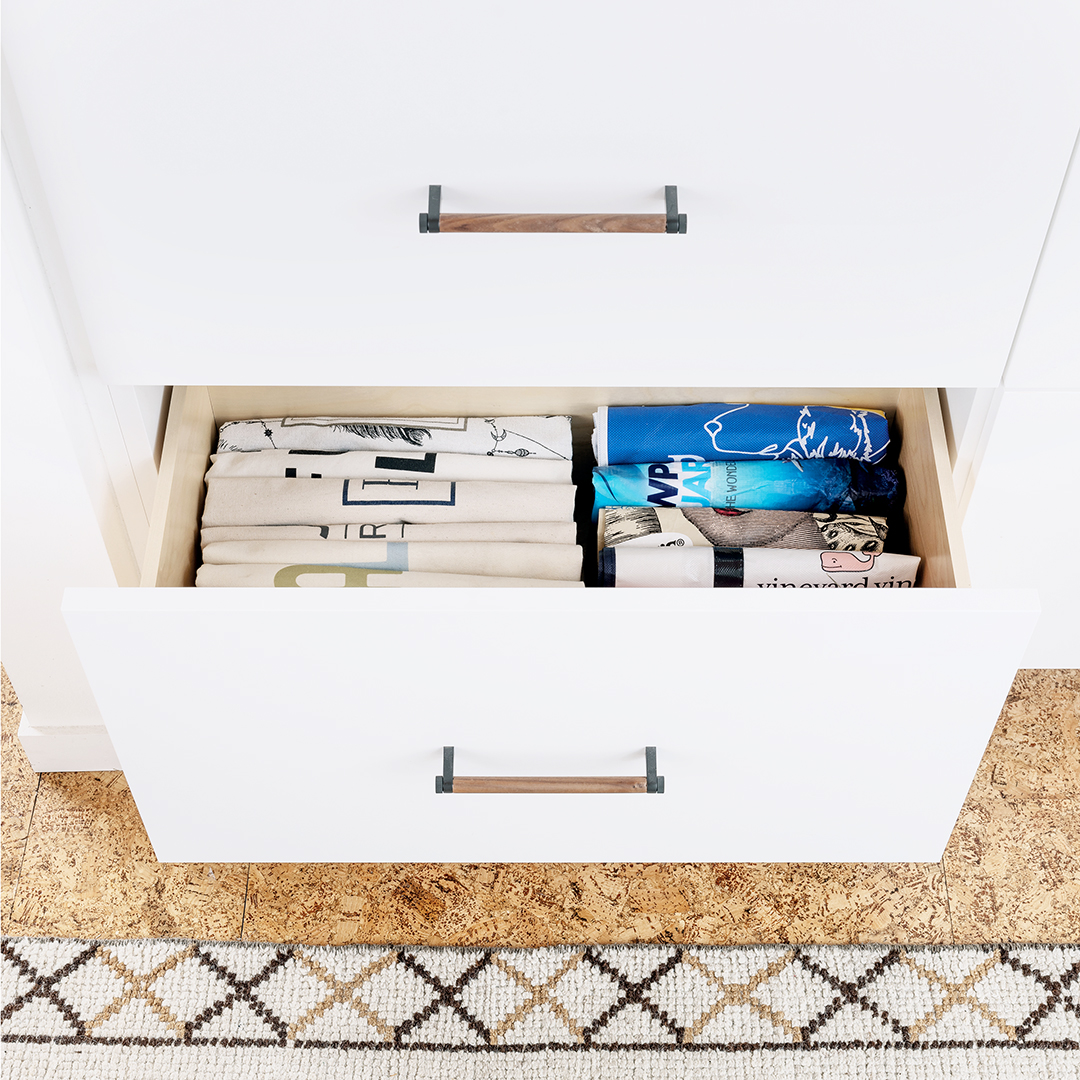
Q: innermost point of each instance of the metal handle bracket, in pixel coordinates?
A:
(676, 222)
(429, 222)
(444, 785)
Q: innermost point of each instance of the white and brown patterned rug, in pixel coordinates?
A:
(141, 1009)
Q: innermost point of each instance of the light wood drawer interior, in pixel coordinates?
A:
(196, 411)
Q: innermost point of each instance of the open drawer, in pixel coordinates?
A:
(308, 725)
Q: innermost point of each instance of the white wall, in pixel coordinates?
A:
(63, 461)
(51, 539)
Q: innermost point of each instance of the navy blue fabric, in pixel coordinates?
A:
(819, 486)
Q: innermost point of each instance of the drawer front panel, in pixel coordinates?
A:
(296, 725)
(286, 725)
(859, 197)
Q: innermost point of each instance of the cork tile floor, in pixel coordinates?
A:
(77, 863)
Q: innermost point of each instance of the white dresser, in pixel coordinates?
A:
(235, 200)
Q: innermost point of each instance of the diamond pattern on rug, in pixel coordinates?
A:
(904, 996)
(735, 993)
(540, 1026)
(657, 998)
(1061, 1025)
(955, 991)
(742, 1025)
(495, 998)
(584, 991)
(796, 993)
(346, 964)
(447, 965)
(685, 994)
(188, 987)
(1011, 994)
(395, 994)
(634, 966)
(130, 958)
(540, 996)
(856, 1022)
(962, 1023)
(245, 964)
(1052, 961)
(445, 1027)
(738, 965)
(846, 965)
(41, 1018)
(86, 989)
(338, 1024)
(237, 1020)
(15, 981)
(636, 1025)
(295, 996)
(539, 965)
(139, 1019)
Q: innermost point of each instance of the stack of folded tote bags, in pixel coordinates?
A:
(746, 496)
(391, 502)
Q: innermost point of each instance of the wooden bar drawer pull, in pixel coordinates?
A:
(435, 221)
(449, 784)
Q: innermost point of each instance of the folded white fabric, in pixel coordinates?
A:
(492, 532)
(518, 436)
(270, 576)
(394, 465)
(553, 561)
(274, 501)
(626, 566)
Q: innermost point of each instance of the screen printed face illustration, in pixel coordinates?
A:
(831, 439)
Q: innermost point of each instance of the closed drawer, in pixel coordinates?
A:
(297, 725)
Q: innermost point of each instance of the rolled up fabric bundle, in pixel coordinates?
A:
(398, 465)
(702, 526)
(518, 436)
(560, 562)
(273, 501)
(820, 486)
(627, 566)
(273, 576)
(492, 532)
(722, 432)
